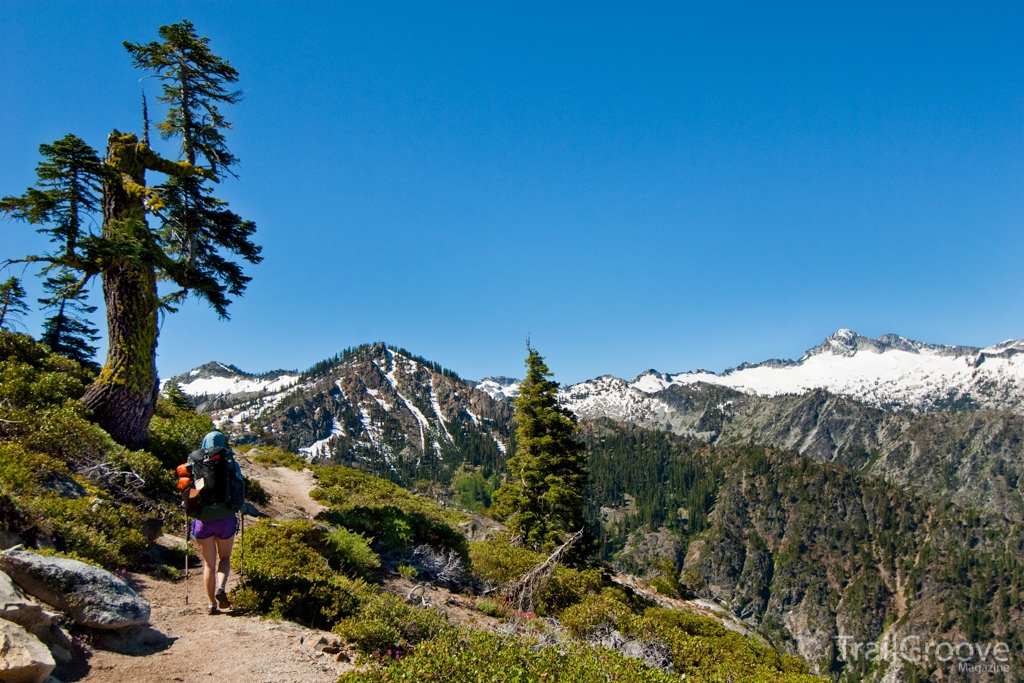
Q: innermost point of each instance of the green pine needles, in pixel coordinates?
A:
(12, 302)
(68, 331)
(541, 500)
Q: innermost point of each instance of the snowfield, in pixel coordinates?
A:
(896, 373)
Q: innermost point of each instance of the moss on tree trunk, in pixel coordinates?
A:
(123, 397)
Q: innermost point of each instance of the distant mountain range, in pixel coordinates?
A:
(942, 418)
(891, 372)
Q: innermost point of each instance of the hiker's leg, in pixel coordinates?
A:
(208, 546)
(224, 547)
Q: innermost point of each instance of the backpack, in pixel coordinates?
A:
(216, 480)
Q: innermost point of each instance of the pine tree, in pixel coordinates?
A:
(196, 225)
(12, 303)
(67, 331)
(541, 500)
(192, 248)
(176, 397)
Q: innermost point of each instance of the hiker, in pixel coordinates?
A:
(218, 486)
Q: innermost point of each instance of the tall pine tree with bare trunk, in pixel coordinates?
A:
(192, 246)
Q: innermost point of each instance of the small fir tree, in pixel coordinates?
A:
(541, 500)
(12, 303)
(176, 397)
(68, 332)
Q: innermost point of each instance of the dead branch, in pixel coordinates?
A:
(522, 591)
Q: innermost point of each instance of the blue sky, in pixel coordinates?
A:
(671, 186)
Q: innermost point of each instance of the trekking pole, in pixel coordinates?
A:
(188, 532)
(241, 550)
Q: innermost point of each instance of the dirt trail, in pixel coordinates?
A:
(288, 489)
(184, 644)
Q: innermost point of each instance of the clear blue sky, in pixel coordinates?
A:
(670, 186)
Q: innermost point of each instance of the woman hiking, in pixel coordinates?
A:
(214, 469)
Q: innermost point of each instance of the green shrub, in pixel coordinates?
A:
(351, 552)
(92, 527)
(175, 431)
(491, 608)
(408, 571)
(483, 657)
(254, 492)
(704, 650)
(344, 488)
(287, 578)
(567, 587)
(499, 561)
(272, 456)
(386, 622)
(159, 480)
(394, 518)
(609, 609)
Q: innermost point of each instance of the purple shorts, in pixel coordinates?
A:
(221, 528)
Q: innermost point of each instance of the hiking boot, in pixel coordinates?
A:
(222, 599)
(212, 609)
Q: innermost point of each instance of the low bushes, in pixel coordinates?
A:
(272, 456)
(386, 622)
(395, 519)
(175, 431)
(483, 657)
(351, 553)
(48, 446)
(499, 562)
(254, 491)
(608, 610)
(287, 578)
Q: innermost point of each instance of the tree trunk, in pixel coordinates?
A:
(123, 397)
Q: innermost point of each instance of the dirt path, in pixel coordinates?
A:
(288, 489)
(184, 644)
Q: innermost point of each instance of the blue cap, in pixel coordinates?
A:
(214, 440)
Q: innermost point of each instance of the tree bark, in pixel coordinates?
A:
(123, 397)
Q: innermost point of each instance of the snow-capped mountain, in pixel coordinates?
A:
(392, 413)
(217, 379)
(891, 372)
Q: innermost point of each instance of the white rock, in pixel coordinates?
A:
(23, 659)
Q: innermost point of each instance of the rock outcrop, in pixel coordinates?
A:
(17, 607)
(23, 659)
(91, 596)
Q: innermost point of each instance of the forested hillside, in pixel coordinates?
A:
(810, 552)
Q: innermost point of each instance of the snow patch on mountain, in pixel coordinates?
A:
(322, 448)
(218, 379)
(890, 372)
(499, 387)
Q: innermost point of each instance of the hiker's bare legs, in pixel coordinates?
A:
(224, 547)
(208, 546)
(216, 564)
